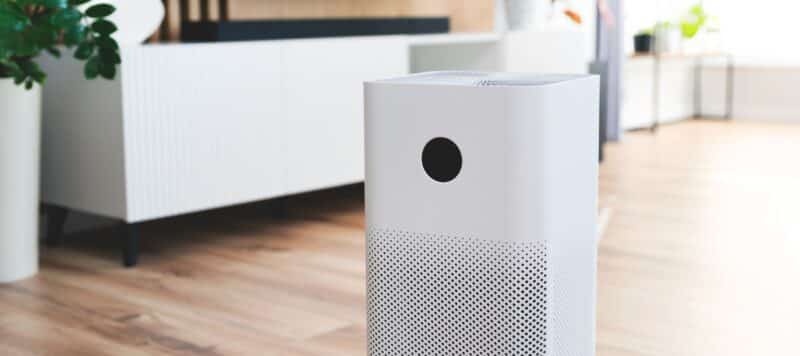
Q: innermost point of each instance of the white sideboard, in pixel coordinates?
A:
(191, 127)
(197, 126)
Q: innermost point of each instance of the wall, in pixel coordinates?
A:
(762, 92)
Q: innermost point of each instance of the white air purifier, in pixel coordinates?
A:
(481, 201)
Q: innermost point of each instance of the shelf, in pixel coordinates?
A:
(678, 55)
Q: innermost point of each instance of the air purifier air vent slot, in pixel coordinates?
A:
(485, 79)
(514, 83)
(430, 294)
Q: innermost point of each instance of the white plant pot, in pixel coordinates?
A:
(519, 14)
(668, 40)
(20, 123)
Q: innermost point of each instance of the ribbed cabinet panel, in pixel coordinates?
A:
(191, 127)
(203, 127)
(325, 106)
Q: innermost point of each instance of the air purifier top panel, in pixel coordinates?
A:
(484, 79)
(457, 154)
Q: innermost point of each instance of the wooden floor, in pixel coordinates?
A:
(701, 256)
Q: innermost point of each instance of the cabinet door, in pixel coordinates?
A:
(204, 126)
(637, 93)
(323, 83)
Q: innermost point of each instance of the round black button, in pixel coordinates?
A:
(441, 159)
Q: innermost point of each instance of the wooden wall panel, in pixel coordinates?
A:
(471, 15)
(254, 9)
(466, 16)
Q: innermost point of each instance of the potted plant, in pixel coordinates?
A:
(518, 13)
(692, 23)
(667, 37)
(643, 41)
(27, 29)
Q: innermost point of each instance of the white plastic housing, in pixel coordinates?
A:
(502, 258)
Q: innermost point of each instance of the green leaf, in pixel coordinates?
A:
(4, 71)
(108, 70)
(106, 42)
(54, 52)
(12, 44)
(14, 7)
(27, 48)
(54, 4)
(42, 36)
(92, 68)
(66, 18)
(28, 84)
(693, 21)
(39, 77)
(78, 2)
(84, 50)
(104, 27)
(110, 56)
(14, 69)
(74, 35)
(17, 72)
(13, 22)
(29, 67)
(101, 10)
(50, 4)
(5, 51)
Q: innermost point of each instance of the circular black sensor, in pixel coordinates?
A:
(441, 159)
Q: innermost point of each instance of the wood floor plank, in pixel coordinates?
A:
(700, 256)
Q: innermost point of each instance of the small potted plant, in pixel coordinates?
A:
(691, 25)
(667, 37)
(643, 41)
(27, 29)
(519, 13)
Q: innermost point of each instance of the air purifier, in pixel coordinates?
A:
(481, 203)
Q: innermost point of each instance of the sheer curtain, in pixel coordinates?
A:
(763, 30)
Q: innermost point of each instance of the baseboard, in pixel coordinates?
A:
(768, 115)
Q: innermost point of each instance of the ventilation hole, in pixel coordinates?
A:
(430, 294)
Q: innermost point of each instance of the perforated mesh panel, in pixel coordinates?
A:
(444, 295)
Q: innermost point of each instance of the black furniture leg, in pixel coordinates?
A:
(130, 248)
(281, 208)
(56, 217)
